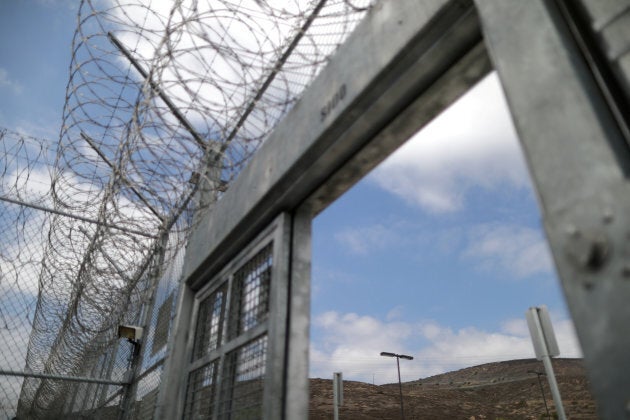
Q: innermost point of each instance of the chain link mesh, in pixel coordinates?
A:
(24, 168)
(165, 104)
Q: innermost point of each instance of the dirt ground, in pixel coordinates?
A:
(494, 391)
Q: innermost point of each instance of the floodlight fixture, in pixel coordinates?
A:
(398, 357)
(130, 332)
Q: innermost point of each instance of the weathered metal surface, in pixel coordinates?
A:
(411, 45)
(579, 162)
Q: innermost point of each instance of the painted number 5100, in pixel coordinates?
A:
(333, 102)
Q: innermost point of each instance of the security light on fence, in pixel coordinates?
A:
(398, 357)
(130, 332)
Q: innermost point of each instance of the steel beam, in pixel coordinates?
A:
(76, 217)
(580, 164)
(61, 377)
(421, 58)
(396, 54)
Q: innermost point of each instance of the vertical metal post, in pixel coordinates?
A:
(337, 394)
(129, 395)
(297, 385)
(541, 339)
(542, 391)
(553, 385)
(129, 390)
(580, 165)
(176, 112)
(402, 410)
(398, 357)
(170, 395)
(110, 362)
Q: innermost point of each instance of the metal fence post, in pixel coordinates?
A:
(129, 394)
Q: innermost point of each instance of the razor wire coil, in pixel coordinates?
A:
(165, 104)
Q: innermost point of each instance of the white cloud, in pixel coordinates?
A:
(6, 82)
(23, 250)
(453, 349)
(351, 343)
(43, 126)
(515, 327)
(23, 247)
(513, 250)
(519, 251)
(21, 261)
(15, 334)
(472, 144)
(361, 328)
(31, 183)
(395, 313)
(229, 47)
(362, 240)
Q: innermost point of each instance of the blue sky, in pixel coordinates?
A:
(35, 50)
(437, 253)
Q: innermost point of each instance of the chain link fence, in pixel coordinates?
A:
(165, 104)
(121, 361)
(24, 168)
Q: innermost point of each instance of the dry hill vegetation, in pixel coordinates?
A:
(493, 391)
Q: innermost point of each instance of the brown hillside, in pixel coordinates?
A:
(502, 390)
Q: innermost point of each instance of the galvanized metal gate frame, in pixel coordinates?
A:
(580, 163)
(405, 63)
(277, 236)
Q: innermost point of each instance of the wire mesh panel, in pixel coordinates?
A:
(250, 293)
(200, 392)
(239, 324)
(145, 369)
(24, 178)
(159, 95)
(210, 323)
(163, 325)
(243, 373)
(243, 384)
(94, 400)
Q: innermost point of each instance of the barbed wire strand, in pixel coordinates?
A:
(157, 93)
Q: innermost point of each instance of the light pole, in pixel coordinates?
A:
(542, 391)
(398, 357)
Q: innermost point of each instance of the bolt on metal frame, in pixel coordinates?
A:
(579, 160)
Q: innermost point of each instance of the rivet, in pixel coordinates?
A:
(608, 217)
(572, 231)
(588, 251)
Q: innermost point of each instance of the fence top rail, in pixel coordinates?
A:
(61, 377)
